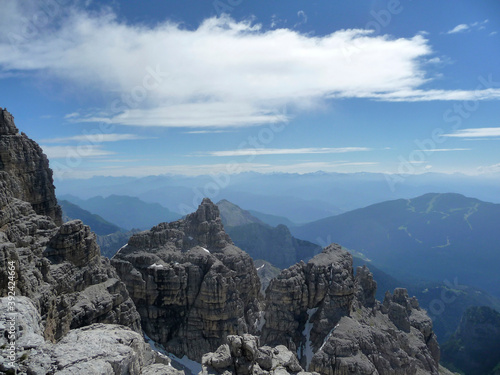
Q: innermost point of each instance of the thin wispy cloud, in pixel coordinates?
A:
(96, 138)
(475, 133)
(463, 27)
(223, 73)
(64, 152)
(446, 149)
(285, 151)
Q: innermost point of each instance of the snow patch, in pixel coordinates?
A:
(260, 321)
(327, 337)
(208, 251)
(123, 247)
(156, 266)
(261, 267)
(307, 350)
(184, 363)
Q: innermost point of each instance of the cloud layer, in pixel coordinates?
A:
(286, 151)
(221, 74)
(475, 133)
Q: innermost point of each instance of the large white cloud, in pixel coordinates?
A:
(221, 74)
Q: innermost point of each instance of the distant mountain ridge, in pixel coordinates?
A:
(262, 241)
(475, 347)
(434, 236)
(299, 197)
(99, 225)
(125, 211)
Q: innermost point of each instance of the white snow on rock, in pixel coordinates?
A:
(307, 351)
(157, 266)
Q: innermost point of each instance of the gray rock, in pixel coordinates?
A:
(95, 349)
(307, 300)
(29, 176)
(58, 267)
(191, 285)
(242, 355)
(337, 325)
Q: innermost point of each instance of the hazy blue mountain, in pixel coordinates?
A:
(232, 215)
(272, 220)
(474, 349)
(275, 245)
(299, 197)
(266, 272)
(432, 237)
(111, 243)
(99, 225)
(445, 302)
(125, 211)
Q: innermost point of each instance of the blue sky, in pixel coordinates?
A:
(195, 87)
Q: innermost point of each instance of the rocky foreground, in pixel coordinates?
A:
(189, 289)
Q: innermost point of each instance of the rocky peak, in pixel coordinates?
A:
(202, 228)
(367, 286)
(191, 285)
(29, 176)
(331, 319)
(59, 269)
(7, 126)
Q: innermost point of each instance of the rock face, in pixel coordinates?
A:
(475, 347)
(333, 320)
(29, 176)
(95, 349)
(191, 285)
(244, 355)
(59, 268)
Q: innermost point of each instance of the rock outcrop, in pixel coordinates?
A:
(58, 267)
(244, 355)
(334, 322)
(191, 285)
(95, 349)
(475, 346)
(25, 171)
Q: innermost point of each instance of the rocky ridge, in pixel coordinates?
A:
(194, 292)
(332, 319)
(191, 285)
(57, 269)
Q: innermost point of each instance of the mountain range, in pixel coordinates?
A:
(124, 211)
(440, 237)
(275, 245)
(299, 197)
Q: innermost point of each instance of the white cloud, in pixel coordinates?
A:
(80, 152)
(475, 133)
(285, 151)
(458, 29)
(221, 74)
(303, 18)
(446, 149)
(468, 27)
(434, 95)
(95, 138)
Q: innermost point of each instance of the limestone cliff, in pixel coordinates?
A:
(25, 171)
(332, 319)
(59, 268)
(191, 285)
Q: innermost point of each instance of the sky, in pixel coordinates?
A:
(137, 88)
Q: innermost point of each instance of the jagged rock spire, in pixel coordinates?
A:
(28, 176)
